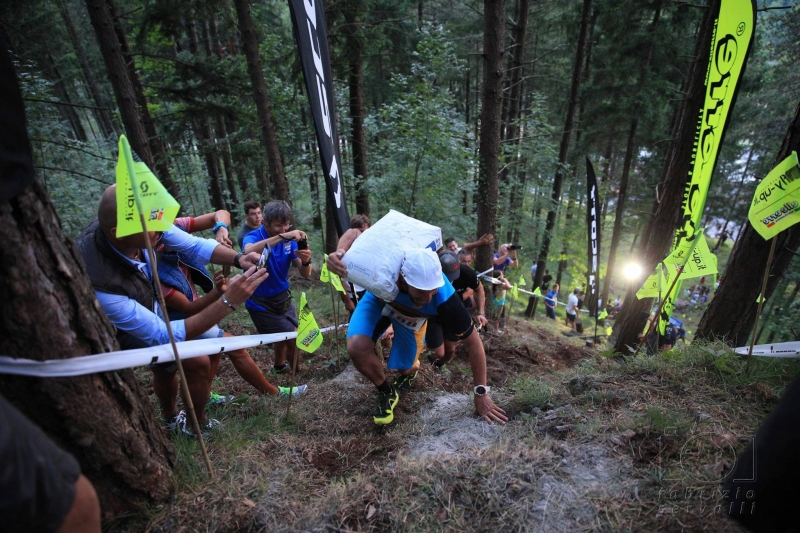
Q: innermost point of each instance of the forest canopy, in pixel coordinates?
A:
(409, 94)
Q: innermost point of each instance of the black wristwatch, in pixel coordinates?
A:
(236, 260)
(306, 264)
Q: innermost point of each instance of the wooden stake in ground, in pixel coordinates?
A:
(335, 323)
(760, 302)
(291, 382)
(187, 398)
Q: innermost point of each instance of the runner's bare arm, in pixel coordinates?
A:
(480, 304)
(258, 247)
(483, 241)
(477, 360)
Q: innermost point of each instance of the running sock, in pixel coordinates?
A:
(385, 387)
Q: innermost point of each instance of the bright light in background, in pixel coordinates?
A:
(632, 271)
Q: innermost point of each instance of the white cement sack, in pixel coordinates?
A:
(374, 259)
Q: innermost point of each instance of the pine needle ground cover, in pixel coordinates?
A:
(593, 444)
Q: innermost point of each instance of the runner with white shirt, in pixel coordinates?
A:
(572, 307)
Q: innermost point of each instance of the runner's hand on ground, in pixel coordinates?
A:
(489, 411)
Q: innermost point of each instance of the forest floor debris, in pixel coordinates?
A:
(592, 444)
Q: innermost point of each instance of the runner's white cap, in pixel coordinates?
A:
(421, 269)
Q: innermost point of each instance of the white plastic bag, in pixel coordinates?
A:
(374, 259)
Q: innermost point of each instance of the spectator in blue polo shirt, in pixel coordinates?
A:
(550, 302)
(271, 307)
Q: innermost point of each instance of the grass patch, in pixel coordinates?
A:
(530, 393)
(631, 445)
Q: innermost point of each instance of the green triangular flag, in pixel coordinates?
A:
(309, 337)
(143, 189)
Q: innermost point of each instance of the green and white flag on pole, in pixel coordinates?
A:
(776, 203)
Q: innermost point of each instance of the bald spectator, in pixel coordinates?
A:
(120, 271)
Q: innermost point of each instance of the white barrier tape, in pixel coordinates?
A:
(786, 350)
(122, 359)
(495, 281)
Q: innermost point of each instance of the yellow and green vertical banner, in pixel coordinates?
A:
(734, 28)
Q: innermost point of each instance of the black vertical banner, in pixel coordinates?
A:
(593, 231)
(308, 18)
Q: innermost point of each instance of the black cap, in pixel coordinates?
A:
(450, 265)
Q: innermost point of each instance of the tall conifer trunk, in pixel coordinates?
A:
(513, 130)
(558, 181)
(355, 77)
(266, 123)
(103, 116)
(493, 46)
(158, 156)
(119, 76)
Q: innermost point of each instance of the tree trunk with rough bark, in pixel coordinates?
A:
(103, 116)
(266, 123)
(49, 312)
(514, 129)
(202, 130)
(491, 115)
(118, 74)
(732, 312)
(354, 47)
(558, 181)
(227, 162)
(619, 213)
(205, 133)
(159, 162)
(311, 155)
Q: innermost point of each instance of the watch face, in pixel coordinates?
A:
(480, 390)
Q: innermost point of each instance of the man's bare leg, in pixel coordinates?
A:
(198, 370)
(361, 350)
(84, 515)
(165, 385)
(284, 350)
(249, 371)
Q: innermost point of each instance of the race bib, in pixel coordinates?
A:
(414, 323)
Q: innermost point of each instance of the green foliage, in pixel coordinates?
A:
(422, 162)
(422, 76)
